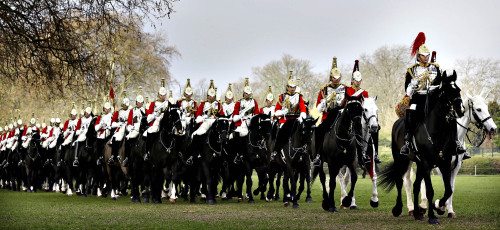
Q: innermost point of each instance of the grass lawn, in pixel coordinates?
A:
(477, 205)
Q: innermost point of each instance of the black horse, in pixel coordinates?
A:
(87, 171)
(295, 154)
(137, 167)
(435, 146)
(340, 148)
(207, 151)
(163, 160)
(33, 163)
(259, 151)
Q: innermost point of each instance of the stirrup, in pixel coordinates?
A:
(76, 163)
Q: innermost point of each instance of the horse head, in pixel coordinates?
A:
(171, 121)
(261, 125)
(370, 110)
(477, 111)
(450, 94)
(221, 127)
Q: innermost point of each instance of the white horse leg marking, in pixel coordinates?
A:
(449, 202)
(343, 184)
(407, 182)
(173, 195)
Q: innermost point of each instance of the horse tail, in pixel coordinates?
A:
(393, 173)
(315, 173)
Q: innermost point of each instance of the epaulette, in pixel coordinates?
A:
(409, 70)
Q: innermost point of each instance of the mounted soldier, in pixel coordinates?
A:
(421, 79)
(81, 133)
(103, 128)
(70, 127)
(290, 106)
(228, 104)
(329, 102)
(207, 111)
(187, 104)
(244, 109)
(268, 107)
(119, 123)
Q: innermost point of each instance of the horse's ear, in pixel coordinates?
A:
(444, 74)
(454, 76)
(487, 93)
(376, 98)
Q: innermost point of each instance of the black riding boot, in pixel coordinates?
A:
(75, 162)
(409, 124)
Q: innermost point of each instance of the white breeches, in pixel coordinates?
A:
(26, 143)
(207, 123)
(68, 139)
(242, 129)
(52, 142)
(156, 125)
(119, 133)
(82, 137)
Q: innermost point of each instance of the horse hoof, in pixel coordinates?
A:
(172, 201)
(440, 211)
(240, 199)
(433, 221)
(353, 207)
(418, 216)
(286, 204)
(324, 205)
(296, 205)
(346, 202)
(263, 198)
(333, 209)
(410, 213)
(396, 211)
(309, 200)
(451, 215)
(251, 201)
(114, 198)
(211, 202)
(423, 211)
(374, 204)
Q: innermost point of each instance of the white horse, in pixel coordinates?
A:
(476, 112)
(370, 126)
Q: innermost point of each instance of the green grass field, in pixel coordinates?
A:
(477, 205)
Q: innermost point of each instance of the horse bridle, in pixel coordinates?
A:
(478, 123)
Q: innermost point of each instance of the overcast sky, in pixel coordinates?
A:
(224, 39)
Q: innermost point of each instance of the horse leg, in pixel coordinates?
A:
(417, 213)
(293, 191)
(343, 179)
(322, 179)
(208, 183)
(430, 195)
(408, 189)
(278, 183)
(270, 191)
(448, 191)
(301, 179)
(373, 175)
(334, 171)
(349, 200)
(249, 183)
(449, 202)
(308, 182)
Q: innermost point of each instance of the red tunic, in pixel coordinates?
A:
(237, 107)
(301, 106)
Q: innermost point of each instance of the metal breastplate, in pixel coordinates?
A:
(246, 107)
(334, 96)
(211, 108)
(424, 75)
(291, 102)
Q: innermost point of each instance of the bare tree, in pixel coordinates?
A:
(384, 76)
(275, 74)
(477, 74)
